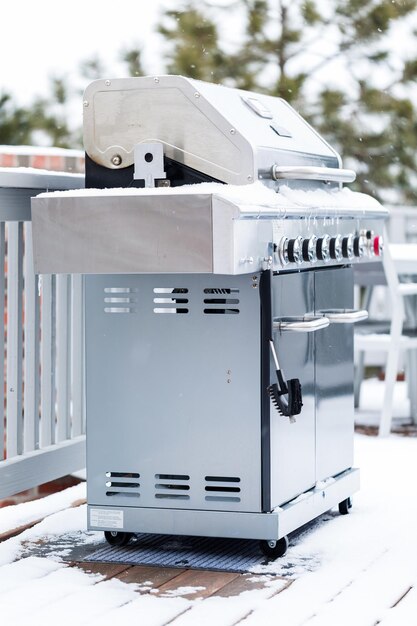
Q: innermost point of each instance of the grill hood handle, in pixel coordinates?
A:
(306, 172)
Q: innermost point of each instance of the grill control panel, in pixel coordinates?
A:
(326, 248)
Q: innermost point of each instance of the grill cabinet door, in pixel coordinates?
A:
(334, 375)
(293, 444)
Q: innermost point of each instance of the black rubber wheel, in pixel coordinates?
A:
(274, 549)
(117, 539)
(345, 506)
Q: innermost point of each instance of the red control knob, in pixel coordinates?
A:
(378, 245)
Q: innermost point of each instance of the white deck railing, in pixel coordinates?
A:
(42, 420)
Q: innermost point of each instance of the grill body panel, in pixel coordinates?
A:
(174, 396)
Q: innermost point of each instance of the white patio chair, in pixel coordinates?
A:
(393, 340)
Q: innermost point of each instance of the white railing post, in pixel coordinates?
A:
(31, 344)
(2, 372)
(62, 354)
(47, 426)
(14, 338)
(77, 354)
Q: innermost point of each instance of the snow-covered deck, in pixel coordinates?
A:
(356, 569)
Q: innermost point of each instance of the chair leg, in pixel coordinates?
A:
(411, 380)
(390, 379)
(358, 378)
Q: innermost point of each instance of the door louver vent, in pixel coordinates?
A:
(226, 304)
(171, 300)
(222, 488)
(172, 487)
(119, 300)
(124, 484)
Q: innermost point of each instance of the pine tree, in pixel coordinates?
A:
(335, 63)
(15, 122)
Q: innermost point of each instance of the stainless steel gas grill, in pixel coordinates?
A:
(217, 245)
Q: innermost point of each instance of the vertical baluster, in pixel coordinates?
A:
(47, 376)
(62, 363)
(31, 358)
(2, 268)
(77, 370)
(14, 338)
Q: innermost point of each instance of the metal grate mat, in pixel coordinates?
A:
(225, 555)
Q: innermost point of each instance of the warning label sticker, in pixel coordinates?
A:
(106, 518)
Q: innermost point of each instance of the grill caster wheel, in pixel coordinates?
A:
(274, 549)
(345, 506)
(117, 539)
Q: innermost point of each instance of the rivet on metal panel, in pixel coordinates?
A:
(86, 103)
(250, 177)
(156, 79)
(196, 95)
(107, 83)
(228, 380)
(116, 159)
(232, 131)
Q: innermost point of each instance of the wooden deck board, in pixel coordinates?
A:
(248, 582)
(108, 570)
(156, 576)
(208, 581)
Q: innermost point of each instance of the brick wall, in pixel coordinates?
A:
(54, 159)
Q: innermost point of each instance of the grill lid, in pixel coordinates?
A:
(230, 135)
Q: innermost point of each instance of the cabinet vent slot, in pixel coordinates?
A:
(122, 484)
(221, 306)
(172, 487)
(220, 291)
(122, 475)
(119, 300)
(222, 488)
(124, 494)
(170, 300)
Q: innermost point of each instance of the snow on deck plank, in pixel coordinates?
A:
(404, 613)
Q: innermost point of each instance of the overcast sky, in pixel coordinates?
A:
(40, 38)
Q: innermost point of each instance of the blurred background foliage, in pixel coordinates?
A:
(337, 62)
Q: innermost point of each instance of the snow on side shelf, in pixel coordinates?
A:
(255, 194)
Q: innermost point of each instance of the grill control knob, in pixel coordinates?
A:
(309, 249)
(335, 248)
(347, 247)
(323, 248)
(295, 250)
(290, 250)
(359, 245)
(378, 245)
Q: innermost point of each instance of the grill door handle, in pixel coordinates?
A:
(345, 316)
(297, 172)
(301, 324)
